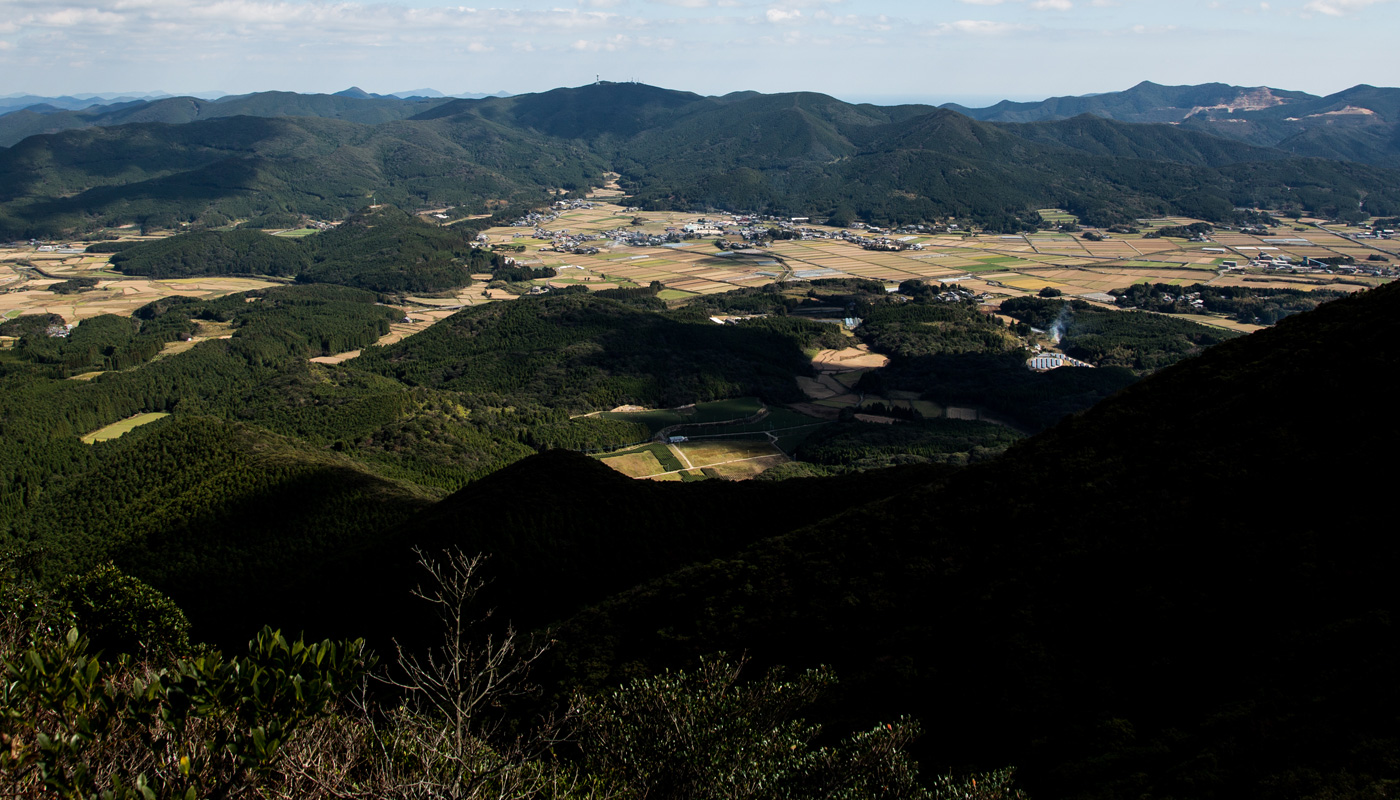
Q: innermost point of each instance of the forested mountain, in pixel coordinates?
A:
(381, 249)
(801, 154)
(1356, 124)
(42, 103)
(209, 172)
(1096, 135)
(1146, 102)
(578, 352)
(175, 110)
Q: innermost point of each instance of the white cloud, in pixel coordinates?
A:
(876, 23)
(1052, 5)
(982, 2)
(1337, 8)
(979, 27)
(776, 15)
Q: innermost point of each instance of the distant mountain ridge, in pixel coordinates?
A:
(1357, 124)
(793, 154)
(1145, 102)
(353, 105)
(25, 115)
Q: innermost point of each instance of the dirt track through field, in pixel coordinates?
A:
(716, 464)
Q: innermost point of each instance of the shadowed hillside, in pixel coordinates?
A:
(1130, 604)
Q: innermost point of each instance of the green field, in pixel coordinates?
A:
(116, 429)
(790, 428)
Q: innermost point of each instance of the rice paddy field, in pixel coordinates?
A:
(736, 459)
(1001, 265)
(26, 274)
(733, 439)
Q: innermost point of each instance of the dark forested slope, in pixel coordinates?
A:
(1134, 603)
(234, 523)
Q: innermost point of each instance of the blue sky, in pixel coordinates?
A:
(974, 51)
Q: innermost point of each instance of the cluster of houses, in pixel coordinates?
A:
(535, 219)
(62, 249)
(1383, 233)
(564, 241)
(1193, 299)
(1378, 269)
(750, 229)
(571, 205)
(959, 294)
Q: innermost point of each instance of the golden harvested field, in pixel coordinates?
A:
(636, 465)
(1221, 322)
(23, 291)
(999, 265)
(117, 429)
(1017, 264)
(1294, 283)
(852, 358)
(732, 459)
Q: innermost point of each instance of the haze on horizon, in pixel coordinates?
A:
(970, 51)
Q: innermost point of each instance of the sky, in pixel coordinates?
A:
(883, 51)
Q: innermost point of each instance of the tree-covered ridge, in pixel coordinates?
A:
(213, 172)
(1145, 102)
(1242, 303)
(1135, 340)
(104, 342)
(382, 249)
(240, 252)
(935, 328)
(938, 441)
(584, 353)
(388, 250)
(176, 110)
(206, 510)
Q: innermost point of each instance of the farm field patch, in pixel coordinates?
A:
(732, 460)
(117, 429)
